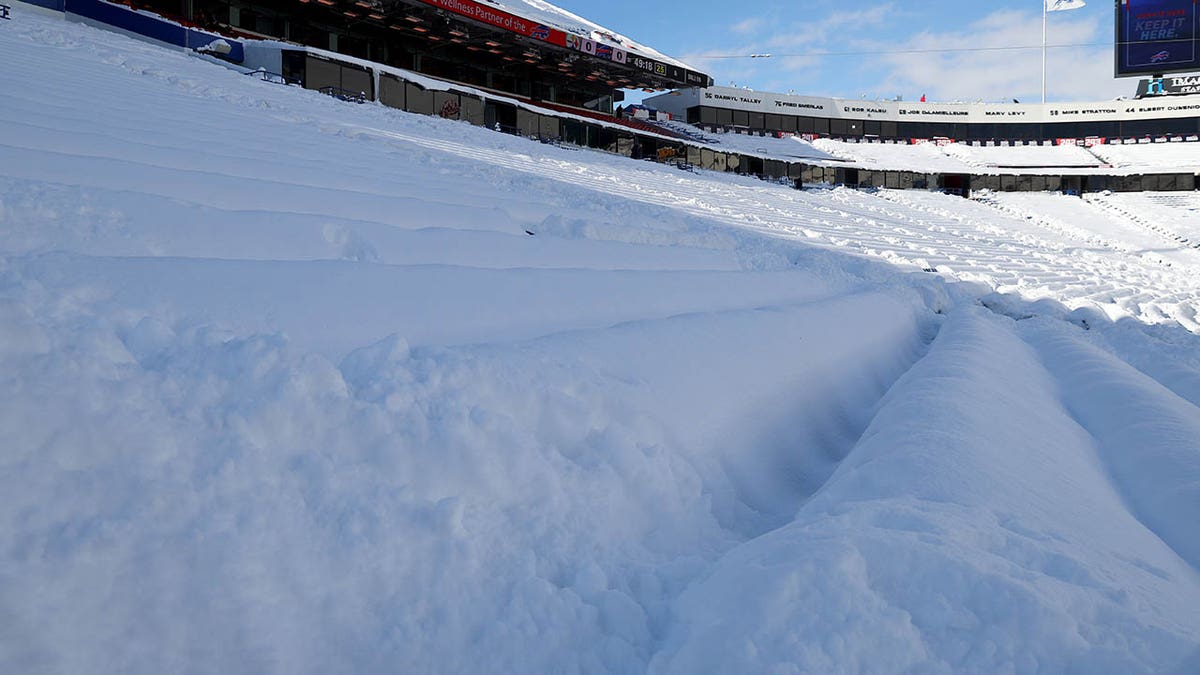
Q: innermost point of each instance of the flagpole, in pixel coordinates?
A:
(1043, 51)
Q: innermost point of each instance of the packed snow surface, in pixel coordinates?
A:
(922, 158)
(293, 385)
(769, 146)
(1154, 158)
(1184, 157)
(1174, 215)
(1024, 155)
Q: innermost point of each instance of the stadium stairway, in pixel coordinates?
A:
(631, 123)
(686, 130)
(1113, 203)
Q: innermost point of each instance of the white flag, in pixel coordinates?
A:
(1059, 5)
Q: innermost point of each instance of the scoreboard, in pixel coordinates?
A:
(1156, 36)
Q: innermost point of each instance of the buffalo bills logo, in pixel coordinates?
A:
(1161, 56)
(541, 32)
(604, 51)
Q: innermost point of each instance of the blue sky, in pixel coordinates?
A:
(792, 31)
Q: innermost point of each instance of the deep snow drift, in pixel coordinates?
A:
(288, 387)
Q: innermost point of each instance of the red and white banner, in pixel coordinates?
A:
(501, 19)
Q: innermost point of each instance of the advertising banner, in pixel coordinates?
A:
(510, 22)
(501, 19)
(1169, 86)
(1156, 36)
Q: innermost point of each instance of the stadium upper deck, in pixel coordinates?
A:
(526, 48)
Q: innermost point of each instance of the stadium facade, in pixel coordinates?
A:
(529, 50)
(728, 107)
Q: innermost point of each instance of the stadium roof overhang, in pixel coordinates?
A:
(501, 35)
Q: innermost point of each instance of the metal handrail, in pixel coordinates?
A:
(268, 76)
(345, 94)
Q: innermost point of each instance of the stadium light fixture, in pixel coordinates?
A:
(410, 18)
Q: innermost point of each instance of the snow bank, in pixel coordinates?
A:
(1147, 436)
(292, 386)
(1152, 156)
(971, 529)
(1027, 156)
(522, 506)
(924, 158)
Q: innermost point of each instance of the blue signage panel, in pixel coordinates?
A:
(56, 5)
(150, 25)
(1156, 36)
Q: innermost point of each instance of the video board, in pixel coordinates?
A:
(1156, 36)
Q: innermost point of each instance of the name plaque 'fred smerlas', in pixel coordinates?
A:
(5, 12)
